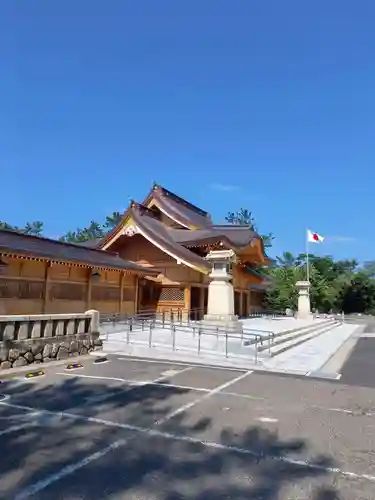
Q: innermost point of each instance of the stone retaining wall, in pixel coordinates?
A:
(43, 338)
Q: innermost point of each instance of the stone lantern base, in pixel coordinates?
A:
(304, 307)
(220, 306)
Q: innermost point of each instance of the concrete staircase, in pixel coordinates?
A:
(288, 339)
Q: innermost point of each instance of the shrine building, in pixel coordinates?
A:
(168, 233)
(154, 260)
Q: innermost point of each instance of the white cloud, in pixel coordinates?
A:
(341, 239)
(224, 187)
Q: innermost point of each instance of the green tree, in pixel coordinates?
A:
(33, 228)
(369, 268)
(112, 221)
(289, 260)
(244, 217)
(335, 285)
(359, 295)
(94, 231)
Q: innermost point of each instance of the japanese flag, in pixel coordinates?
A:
(314, 237)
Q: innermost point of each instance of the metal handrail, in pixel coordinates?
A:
(180, 320)
(178, 314)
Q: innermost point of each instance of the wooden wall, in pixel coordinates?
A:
(32, 287)
(141, 251)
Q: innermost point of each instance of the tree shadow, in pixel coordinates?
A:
(167, 462)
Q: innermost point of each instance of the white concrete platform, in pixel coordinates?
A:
(210, 343)
(312, 355)
(183, 346)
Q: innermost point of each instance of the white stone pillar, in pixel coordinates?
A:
(304, 308)
(220, 307)
(95, 320)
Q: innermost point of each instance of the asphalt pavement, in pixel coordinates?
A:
(359, 368)
(135, 429)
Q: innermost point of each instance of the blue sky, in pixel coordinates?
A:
(267, 105)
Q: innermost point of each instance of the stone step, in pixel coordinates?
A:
(290, 331)
(295, 333)
(296, 341)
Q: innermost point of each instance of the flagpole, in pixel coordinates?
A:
(307, 256)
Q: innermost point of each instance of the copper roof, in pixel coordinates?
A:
(160, 234)
(179, 210)
(200, 229)
(34, 246)
(234, 236)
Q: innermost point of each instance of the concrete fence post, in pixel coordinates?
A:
(95, 320)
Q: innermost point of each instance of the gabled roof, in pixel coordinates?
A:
(172, 205)
(235, 236)
(200, 228)
(178, 199)
(179, 210)
(161, 236)
(34, 246)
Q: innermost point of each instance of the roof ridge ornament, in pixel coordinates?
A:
(130, 231)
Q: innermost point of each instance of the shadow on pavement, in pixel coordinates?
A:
(147, 466)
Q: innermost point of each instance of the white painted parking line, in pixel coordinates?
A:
(66, 471)
(347, 411)
(20, 416)
(124, 357)
(108, 394)
(15, 428)
(164, 376)
(134, 383)
(267, 420)
(212, 392)
(37, 487)
(94, 377)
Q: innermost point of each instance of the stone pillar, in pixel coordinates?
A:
(95, 317)
(304, 308)
(220, 307)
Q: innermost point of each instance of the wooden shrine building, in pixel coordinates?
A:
(154, 260)
(168, 233)
(40, 275)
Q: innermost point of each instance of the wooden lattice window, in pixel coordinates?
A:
(128, 293)
(67, 291)
(21, 289)
(105, 294)
(172, 294)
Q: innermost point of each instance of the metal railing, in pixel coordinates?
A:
(178, 315)
(181, 322)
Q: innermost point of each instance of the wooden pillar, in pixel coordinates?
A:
(249, 299)
(187, 303)
(187, 297)
(89, 289)
(47, 281)
(121, 299)
(201, 302)
(136, 294)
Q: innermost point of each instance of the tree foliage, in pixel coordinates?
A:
(94, 231)
(33, 228)
(244, 217)
(335, 285)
